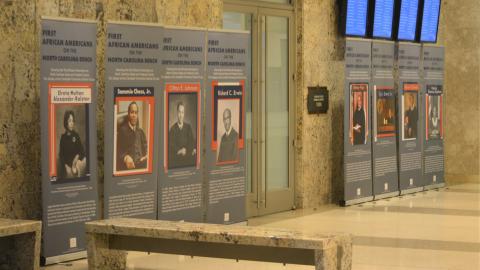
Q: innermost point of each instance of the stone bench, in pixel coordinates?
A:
(108, 241)
(20, 244)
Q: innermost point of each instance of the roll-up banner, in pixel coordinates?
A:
(357, 123)
(433, 115)
(68, 93)
(384, 142)
(409, 122)
(227, 70)
(180, 178)
(132, 119)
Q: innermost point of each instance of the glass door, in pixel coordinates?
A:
(275, 102)
(269, 118)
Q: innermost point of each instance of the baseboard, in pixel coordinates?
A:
(65, 257)
(461, 178)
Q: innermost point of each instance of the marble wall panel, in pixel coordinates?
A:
(319, 152)
(19, 120)
(461, 37)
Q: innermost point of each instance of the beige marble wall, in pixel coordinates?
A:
(319, 155)
(462, 85)
(20, 186)
(19, 111)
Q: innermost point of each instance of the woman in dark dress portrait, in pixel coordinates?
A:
(72, 160)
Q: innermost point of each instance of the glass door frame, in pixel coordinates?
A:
(258, 202)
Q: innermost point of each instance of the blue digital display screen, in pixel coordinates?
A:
(356, 18)
(431, 11)
(407, 26)
(383, 18)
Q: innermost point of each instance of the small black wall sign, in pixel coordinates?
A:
(317, 100)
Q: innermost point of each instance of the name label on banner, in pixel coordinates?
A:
(71, 95)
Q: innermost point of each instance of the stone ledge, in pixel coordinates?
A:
(260, 236)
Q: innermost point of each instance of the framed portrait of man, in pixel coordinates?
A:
(410, 111)
(434, 114)
(69, 129)
(227, 130)
(133, 130)
(182, 131)
(359, 113)
(228, 122)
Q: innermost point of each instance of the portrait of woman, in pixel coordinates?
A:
(72, 161)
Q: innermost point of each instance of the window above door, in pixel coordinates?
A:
(276, 4)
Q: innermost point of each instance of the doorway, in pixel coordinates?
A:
(270, 104)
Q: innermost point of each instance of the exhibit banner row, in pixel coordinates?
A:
(393, 118)
(174, 126)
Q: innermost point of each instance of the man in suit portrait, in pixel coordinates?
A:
(359, 122)
(182, 150)
(410, 117)
(132, 148)
(434, 120)
(228, 150)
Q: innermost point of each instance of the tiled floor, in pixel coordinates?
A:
(434, 230)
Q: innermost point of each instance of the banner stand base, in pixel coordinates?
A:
(65, 258)
(243, 223)
(386, 195)
(411, 190)
(356, 201)
(434, 186)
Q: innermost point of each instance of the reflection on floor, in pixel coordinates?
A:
(438, 229)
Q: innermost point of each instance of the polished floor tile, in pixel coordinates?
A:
(432, 230)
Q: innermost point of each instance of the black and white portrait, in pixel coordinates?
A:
(71, 141)
(228, 122)
(182, 130)
(434, 117)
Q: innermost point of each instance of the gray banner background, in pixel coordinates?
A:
(384, 149)
(183, 62)
(433, 149)
(409, 151)
(69, 237)
(226, 66)
(132, 195)
(357, 158)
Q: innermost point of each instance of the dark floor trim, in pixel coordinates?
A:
(461, 190)
(424, 210)
(416, 244)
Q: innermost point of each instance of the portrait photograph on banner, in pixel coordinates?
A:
(228, 122)
(68, 131)
(133, 130)
(410, 111)
(434, 114)
(384, 116)
(182, 131)
(359, 114)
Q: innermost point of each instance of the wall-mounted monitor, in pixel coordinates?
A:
(408, 18)
(430, 17)
(354, 21)
(383, 16)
